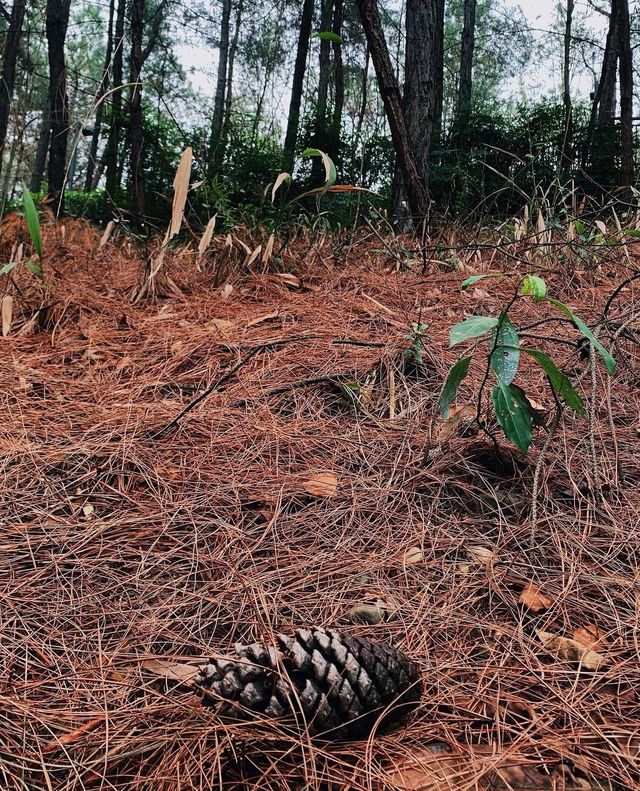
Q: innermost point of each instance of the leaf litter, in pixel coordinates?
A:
(199, 539)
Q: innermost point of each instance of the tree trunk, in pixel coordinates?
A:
(136, 130)
(293, 122)
(40, 161)
(104, 85)
(438, 68)
(466, 64)
(361, 113)
(566, 151)
(226, 126)
(320, 131)
(10, 55)
(338, 80)
(57, 21)
(626, 96)
(113, 140)
(215, 147)
(390, 93)
(604, 97)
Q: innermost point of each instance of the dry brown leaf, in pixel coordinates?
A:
(107, 233)
(534, 599)
(7, 314)
(323, 484)
(268, 249)
(180, 192)
(591, 637)
(290, 280)
(457, 417)
(481, 554)
(253, 255)
(67, 739)
(226, 291)
(88, 510)
(412, 556)
(221, 325)
(569, 650)
(261, 319)
(207, 236)
(174, 671)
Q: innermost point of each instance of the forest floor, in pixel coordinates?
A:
(277, 503)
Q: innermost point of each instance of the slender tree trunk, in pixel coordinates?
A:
(626, 96)
(136, 130)
(320, 131)
(604, 97)
(40, 161)
(57, 21)
(104, 85)
(466, 65)
(226, 126)
(293, 122)
(357, 135)
(8, 77)
(565, 153)
(113, 140)
(390, 92)
(438, 67)
(338, 80)
(215, 161)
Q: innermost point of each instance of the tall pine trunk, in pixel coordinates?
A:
(338, 80)
(466, 66)
(293, 121)
(104, 85)
(113, 140)
(566, 152)
(40, 160)
(215, 147)
(136, 129)
(390, 93)
(626, 97)
(320, 131)
(8, 77)
(228, 99)
(57, 21)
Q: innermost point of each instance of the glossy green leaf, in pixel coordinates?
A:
(455, 376)
(609, 362)
(8, 267)
(472, 327)
(32, 220)
(534, 286)
(514, 415)
(560, 383)
(470, 281)
(330, 172)
(506, 355)
(327, 35)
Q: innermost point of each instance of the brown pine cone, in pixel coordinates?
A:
(339, 684)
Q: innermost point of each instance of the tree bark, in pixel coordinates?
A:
(320, 131)
(40, 161)
(565, 153)
(57, 21)
(390, 92)
(226, 126)
(338, 80)
(466, 64)
(136, 130)
(104, 85)
(626, 96)
(215, 147)
(293, 122)
(8, 78)
(113, 139)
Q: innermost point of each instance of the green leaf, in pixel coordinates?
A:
(32, 220)
(455, 376)
(470, 281)
(609, 362)
(8, 267)
(534, 285)
(560, 383)
(506, 355)
(327, 35)
(579, 226)
(472, 327)
(634, 232)
(35, 267)
(330, 172)
(514, 415)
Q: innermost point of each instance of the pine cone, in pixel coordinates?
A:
(338, 683)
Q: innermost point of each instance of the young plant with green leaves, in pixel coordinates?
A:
(512, 407)
(417, 335)
(33, 226)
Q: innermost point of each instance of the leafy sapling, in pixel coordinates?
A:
(33, 226)
(415, 351)
(512, 407)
